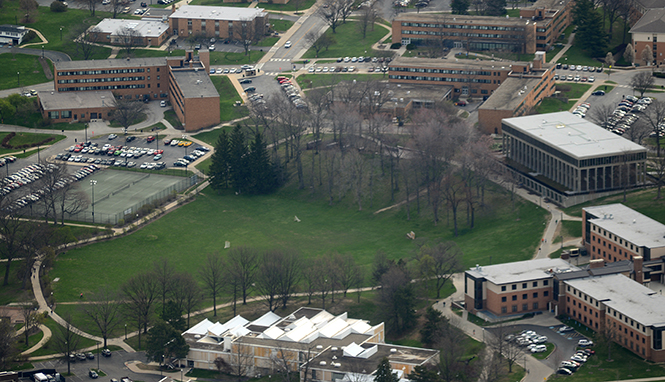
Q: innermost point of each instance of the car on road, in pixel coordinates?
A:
(598, 93)
(245, 81)
(287, 44)
(112, 136)
(584, 342)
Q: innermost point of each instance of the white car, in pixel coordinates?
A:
(311, 69)
(538, 349)
(287, 45)
(584, 342)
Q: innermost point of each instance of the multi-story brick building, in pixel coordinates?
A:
(132, 33)
(184, 81)
(552, 17)
(648, 31)
(615, 232)
(570, 160)
(469, 32)
(219, 22)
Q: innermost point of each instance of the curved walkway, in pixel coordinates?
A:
(40, 35)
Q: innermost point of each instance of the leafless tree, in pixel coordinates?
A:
(642, 82)
(242, 265)
(242, 359)
(332, 168)
(355, 167)
(496, 340)
(601, 114)
(212, 273)
(451, 364)
(116, 7)
(268, 278)
(90, 4)
(29, 9)
(8, 350)
(439, 261)
(30, 317)
(186, 293)
(66, 341)
(103, 311)
(658, 172)
(14, 233)
(347, 271)
(453, 190)
(654, 116)
(319, 42)
(85, 39)
(629, 54)
(647, 55)
(638, 132)
(608, 335)
(127, 111)
(129, 38)
(140, 293)
(367, 18)
(320, 278)
(71, 200)
(285, 361)
(331, 12)
(290, 275)
(164, 274)
(611, 9)
(247, 32)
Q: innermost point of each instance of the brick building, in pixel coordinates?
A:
(76, 106)
(552, 17)
(615, 232)
(570, 160)
(177, 79)
(219, 22)
(135, 33)
(649, 31)
(470, 32)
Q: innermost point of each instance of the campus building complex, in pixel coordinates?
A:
(570, 160)
(184, 81)
(130, 33)
(648, 31)
(219, 22)
(552, 17)
(333, 345)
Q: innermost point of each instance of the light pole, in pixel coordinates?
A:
(98, 357)
(60, 33)
(18, 75)
(42, 51)
(184, 138)
(125, 331)
(38, 159)
(86, 132)
(92, 184)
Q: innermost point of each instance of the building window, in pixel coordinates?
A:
(525, 306)
(546, 293)
(535, 305)
(523, 285)
(535, 284)
(68, 114)
(503, 288)
(514, 308)
(54, 114)
(504, 309)
(515, 298)
(525, 296)
(504, 299)
(157, 77)
(535, 295)
(514, 286)
(546, 282)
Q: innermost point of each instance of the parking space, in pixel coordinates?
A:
(577, 73)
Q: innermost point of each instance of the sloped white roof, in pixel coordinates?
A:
(352, 350)
(360, 327)
(333, 327)
(304, 328)
(272, 332)
(216, 330)
(266, 320)
(322, 316)
(239, 331)
(201, 328)
(208, 340)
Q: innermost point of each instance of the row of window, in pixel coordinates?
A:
(444, 71)
(463, 26)
(613, 159)
(525, 296)
(525, 307)
(459, 34)
(534, 284)
(107, 87)
(111, 79)
(442, 79)
(108, 71)
(56, 114)
(611, 236)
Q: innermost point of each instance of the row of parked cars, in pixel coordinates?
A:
(22, 177)
(533, 341)
(579, 68)
(582, 109)
(291, 92)
(575, 78)
(187, 159)
(580, 357)
(626, 114)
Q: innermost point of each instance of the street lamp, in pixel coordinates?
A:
(92, 184)
(60, 33)
(184, 138)
(86, 132)
(18, 75)
(42, 51)
(98, 356)
(125, 331)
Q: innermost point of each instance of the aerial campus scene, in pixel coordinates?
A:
(332, 190)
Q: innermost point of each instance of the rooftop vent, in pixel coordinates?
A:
(334, 348)
(393, 350)
(322, 363)
(319, 347)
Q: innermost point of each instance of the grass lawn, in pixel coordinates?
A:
(230, 58)
(573, 91)
(268, 41)
(205, 165)
(287, 7)
(156, 126)
(13, 292)
(553, 105)
(227, 110)
(32, 340)
(281, 25)
(30, 70)
(643, 201)
(210, 137)
(172, 118)
(308, 81)
(571, 229)
(576, 56)
(350, 42)
(50, 347)
(27, 139)
(151, 53)
(139, 118)
(218, 3)
(503, 230)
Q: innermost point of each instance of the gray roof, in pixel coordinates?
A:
(457, 63)
(461, 19)
(75, 100)
(651, 4)
(146, 28)
(652, 22)
(111, 63)
(548, 4)
(508, 95)
(625, 296)
(521, 270)
(13, 28)
(395, 353)
(203, 12)
(195, 83)
(628, 224)
(574, 136)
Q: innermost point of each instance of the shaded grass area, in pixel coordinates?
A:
(281, 25)
(553, 105)
(50, 347)
(228, 97)
(571, 228)
(139, 118)
(349, 42)
(27, 139)
(30, 70)
(172, 118)
(156, 126)
(308, 81)
(13, 292)
(289, 7)
(576, 56)
(231, 58)
(32, 340)
(572, 90)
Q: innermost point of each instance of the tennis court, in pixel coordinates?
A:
(120, 193)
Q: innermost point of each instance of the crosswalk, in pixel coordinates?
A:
(280, 59)
(271, 73)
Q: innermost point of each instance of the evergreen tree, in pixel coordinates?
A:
(384, 372)
(421, 374)
(460, 7)
(431, 331)
(164, 340)
(261, 173)
(496, 8)
(238, 160)
(590, 34)
(219, 168)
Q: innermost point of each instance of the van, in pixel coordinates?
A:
(39, 377)
(574, 252)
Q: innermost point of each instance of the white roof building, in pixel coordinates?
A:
(203, 12)
(146, 28)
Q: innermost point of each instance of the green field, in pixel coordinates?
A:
(349, 42)
(27, 139)
(576, 56)
(281, 25)
(289, 7)
(572, 90)
(30, 70)
(229, 95)
(50, 346)
(643, 201)
(553, 105)
(171, 117)
(308, 81)
(230, 58)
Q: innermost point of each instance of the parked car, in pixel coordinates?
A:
(93, 374)
(584, 342)
(564, 371)
(460, 103)
(598, 93)
(112, 136)
(245, 81)
(89, 355)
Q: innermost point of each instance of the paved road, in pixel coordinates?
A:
(50, 54)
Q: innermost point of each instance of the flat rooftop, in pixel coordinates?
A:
(574, 136)
(629, 224)
(146, 28)
(548, 4)
(111, 63)
(626, 296)
(394, 353)
(75, 100)
(217, 13)
(509, 95)
(453, 64)
(195, 83)
(521, 270)
(460, 19)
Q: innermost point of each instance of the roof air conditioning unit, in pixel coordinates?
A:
(393, 350)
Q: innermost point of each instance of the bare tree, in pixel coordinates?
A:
(103, 311)
(439, 261)
(654, 116)
(285, 361)
(71, 200)
(30, 316)
(497, 342)
(642, 82)
(90, 4)
(127, 111)
(8, 350)
(85, 40)
(267, 278)
(602, 114)
(186, 293)
(319, 42)
(331, 12)
(452, 189)
(346, 270)
(66, 340)
(116, 6)
(629, 54)
(242, 264)
(164, 274)
(140, 293)
(242, 359)
(14, 233)
(647, 55)
(320, 278)
(608, 335)
(658, 172)
(129, 38)
(212, 273)
(290, 274)
(29, 9)
(367, 18)
(638, 132)
(247, 32)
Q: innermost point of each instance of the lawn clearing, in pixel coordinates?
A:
(572, 90)
(172, 118)
(227, 109)
(349, 41)
(30, 70)
(28, 139)
(553, 105)
(309, 81)
(281, 25)
(50, 346)
(230, 58)
(571, 229)
(289, 7)
(210, 137)
(576, 56)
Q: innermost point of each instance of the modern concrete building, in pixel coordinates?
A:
(570, 160)
(12, 34)
(615, 232)
(76, 106)
(306, 335)
(469, 32)
(649, 30)
(135, 33)
(184, 81)
(552, 17)
(219, 22)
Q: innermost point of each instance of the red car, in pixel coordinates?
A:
(159, 152)
(150, 139)
(460, 103)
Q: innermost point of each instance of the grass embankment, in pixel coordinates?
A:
(228, 97)
(230, 58)
(29, 69)
(21, 139)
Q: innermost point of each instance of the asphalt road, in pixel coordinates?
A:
(113, 367)
(50, 54)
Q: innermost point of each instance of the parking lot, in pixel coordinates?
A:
(113, 367)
